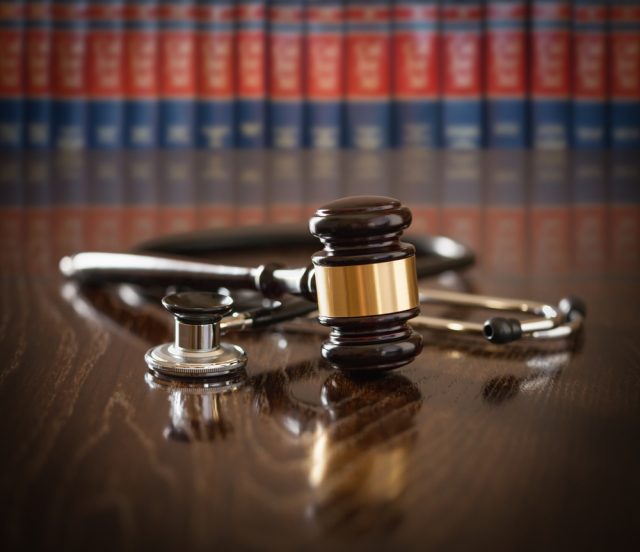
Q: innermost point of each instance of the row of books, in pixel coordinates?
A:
(545, 213)
(288, 74)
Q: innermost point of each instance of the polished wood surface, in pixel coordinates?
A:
(527, 446)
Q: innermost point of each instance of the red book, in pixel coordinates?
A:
(368, 79)
(216, 74)
(11, 74)
(37, 74)
(177, 53)
(141, 74)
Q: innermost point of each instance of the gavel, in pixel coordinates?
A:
(366, 283)
(363, 281)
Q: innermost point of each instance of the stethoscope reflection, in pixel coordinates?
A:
(196, 411)
(543, 368)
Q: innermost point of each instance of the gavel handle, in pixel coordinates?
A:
(272, 280)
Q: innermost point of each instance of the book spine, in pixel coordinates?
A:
(215, 122)
(368, 44)
(462, 109)
(11, 74)
(105, 86)
(177, 74)
(141, 79)
(37, 74)
(285, 56)
(625, 75)
(324, 74)
(550, 79)
(69, 79)
(251, 110)
(589, 74)
(416, 73)
(506, 79)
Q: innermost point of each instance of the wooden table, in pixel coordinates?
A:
(530, 446)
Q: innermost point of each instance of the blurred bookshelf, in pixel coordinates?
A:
(319, 74)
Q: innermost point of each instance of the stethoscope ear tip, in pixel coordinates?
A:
(571, 307)
(501, 330)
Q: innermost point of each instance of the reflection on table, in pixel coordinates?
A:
(539, 212)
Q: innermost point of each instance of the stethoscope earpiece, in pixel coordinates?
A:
(196, 351)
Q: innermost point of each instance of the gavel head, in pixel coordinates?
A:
(366, 283)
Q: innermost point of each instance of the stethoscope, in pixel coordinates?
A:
(364, 285)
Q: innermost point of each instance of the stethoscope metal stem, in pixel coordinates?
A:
(196, 337)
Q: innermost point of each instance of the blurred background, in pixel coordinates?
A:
(510, 125)
(321, 74)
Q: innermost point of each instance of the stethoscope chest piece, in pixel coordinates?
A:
(196, 351)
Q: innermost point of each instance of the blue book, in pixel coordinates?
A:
(462, 106)
(177, 58)
(37, 74)
(11, 76)
(416, 73)
(105, 83)
(368, 82)
(251, 100)
(551, 74)
(215, 121)
(324, 68)
(589, 74)
(625, 82)
(506, 74)
(141, 79)
(69, 78)
(286, 78)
